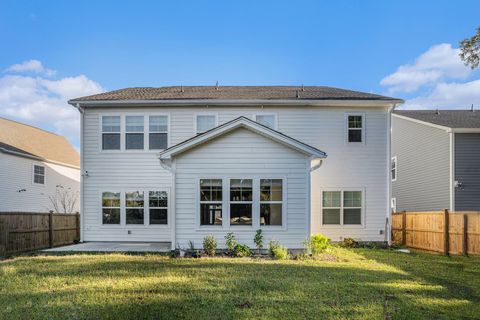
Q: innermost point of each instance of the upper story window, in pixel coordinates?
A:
(393, 169)
(134, 132)
(268, 120)
(211, 202)
(158, 132)
(355, 128)
(205, 123)
(38, 174)
(111, 133)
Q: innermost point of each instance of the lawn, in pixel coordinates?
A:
(361, 284)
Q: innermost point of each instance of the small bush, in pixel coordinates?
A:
(349, 243)
(258, 240)
(210, 245)
(317, 244)
(231, 242)
(277, 251)
(242, 251)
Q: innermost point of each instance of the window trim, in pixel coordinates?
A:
(394, 160)
(124, 133)
(274, 114)
(346, 128)
(100, 145)
(44, 175)
(147, 131)
(195, 117)
(346, 226)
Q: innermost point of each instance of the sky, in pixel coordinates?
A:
(53, 51)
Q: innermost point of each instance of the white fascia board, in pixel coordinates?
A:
(448, 129)
(240, 102)
(237, 123)
(466, 130)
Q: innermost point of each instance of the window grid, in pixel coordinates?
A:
(394, 169)
(111, 132)
(245, 200)
(211, 200)
(342, 204)
(274, 199)
(38, 174)
(158, 129)
(355, 128)
(158, 203)
(134, 132)
(110, 209)
(134, 207)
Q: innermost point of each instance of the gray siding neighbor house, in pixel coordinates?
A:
(435, 160)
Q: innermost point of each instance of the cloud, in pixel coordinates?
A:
(42, 102)
(439, 63)
(33, 65)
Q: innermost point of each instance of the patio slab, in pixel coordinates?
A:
(114, 247)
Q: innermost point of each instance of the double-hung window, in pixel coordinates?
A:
(205, 123)
(211, 202)
(241, 201)
(158, 206)
(134, 207)
(271, 195)
(393, 169)
(38, 174)
(134, 132)
(158, 132)
(111, 133)
(355, 128)
(267, 120)
(342, 207)
(111, 207)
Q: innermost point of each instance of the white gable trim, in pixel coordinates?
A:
(248, 124)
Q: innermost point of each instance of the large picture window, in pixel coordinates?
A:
(111, 133)
(158, 206)
(355, 128)
(241, 192)
(211, 202)
(342, 207)
(111, 207)
(134, 207)
(158, 132)
(271, 195)
(134, 132)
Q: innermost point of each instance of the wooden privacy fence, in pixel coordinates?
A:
(438, 231)
(30, 231)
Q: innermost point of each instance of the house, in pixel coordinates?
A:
(174, 164)
(435, 160)
(37, 168)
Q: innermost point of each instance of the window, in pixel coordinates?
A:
(111, 133)
(134, 132)
(158, 205)
(158, 132)
(394, 169)
(205, 123)
(342, 208)
(271, 194)
(111, 207)
(394, 205)
(210, 202)
(267, 120)
(355, 128)
(134, 207)
(241, 201)
(38, 174)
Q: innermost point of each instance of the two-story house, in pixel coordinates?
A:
(174, 164)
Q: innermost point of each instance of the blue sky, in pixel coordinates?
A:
(89, 46)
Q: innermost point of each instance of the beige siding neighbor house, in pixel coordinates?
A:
(174, 164)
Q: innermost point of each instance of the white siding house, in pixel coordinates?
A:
(137, 186)
(34, 165)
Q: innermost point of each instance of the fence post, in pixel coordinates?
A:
(446, 234)
(50, 230)
(3, 238)
(404, 227)
(465, 234)
(77, 225)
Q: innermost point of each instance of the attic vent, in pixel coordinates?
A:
(298, 94)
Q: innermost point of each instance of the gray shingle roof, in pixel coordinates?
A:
(446, 118)
(235, 93)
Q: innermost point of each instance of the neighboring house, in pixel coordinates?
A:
(174, 164)
(34, 164)
(435, 160)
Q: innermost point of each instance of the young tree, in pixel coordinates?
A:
(63, 200)
(470, 50)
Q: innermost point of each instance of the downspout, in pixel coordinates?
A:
(170, 166)
(82, 170)
(310, 170)
(452, 170)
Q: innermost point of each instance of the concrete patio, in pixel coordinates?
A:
(154, 247)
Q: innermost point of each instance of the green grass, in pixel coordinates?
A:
(362, 284)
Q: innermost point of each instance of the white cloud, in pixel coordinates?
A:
(448, 96)
(43, 102)
(439, 63)
(33, 65)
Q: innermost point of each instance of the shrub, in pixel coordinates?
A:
(349, 243)
(317, 244)
(230, 241)
(242, 250)
(258, 240)
(277, 251)
(210, 245)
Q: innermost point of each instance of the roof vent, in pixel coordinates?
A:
(298, 94)
(303, 88)
(472, 108)
(216, 85)
(437, 112)
(181, 89)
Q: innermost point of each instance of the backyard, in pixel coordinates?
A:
(350, 283)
